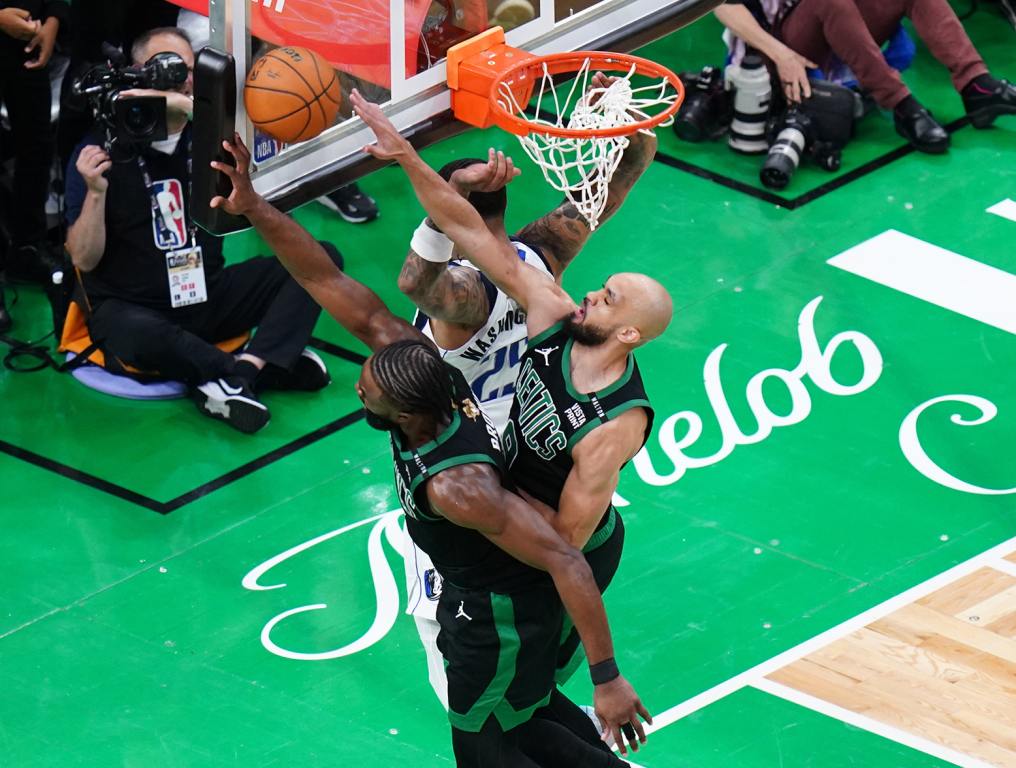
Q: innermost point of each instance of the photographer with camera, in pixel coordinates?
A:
(28, 31)
(797, 34)
(159, 294)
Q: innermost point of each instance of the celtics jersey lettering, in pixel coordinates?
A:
(549, 416)
(462, 555)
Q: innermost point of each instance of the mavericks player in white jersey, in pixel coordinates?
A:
(480, 329)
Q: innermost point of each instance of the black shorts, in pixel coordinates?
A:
(603, 553)
(500, 653)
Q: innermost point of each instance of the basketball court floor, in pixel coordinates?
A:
(820, 567)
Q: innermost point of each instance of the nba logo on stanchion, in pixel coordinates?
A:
(171, 232)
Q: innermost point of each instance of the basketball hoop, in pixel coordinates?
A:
(576, 132)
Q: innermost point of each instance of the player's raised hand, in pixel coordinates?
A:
(491, 176)
(243, 198)
(389, 143)
(619, 708)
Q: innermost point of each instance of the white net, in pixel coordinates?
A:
(582, 168)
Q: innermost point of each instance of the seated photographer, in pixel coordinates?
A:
(797, 34)
(159, 293)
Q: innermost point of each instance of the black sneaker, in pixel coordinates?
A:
(232, 401)
(351, 204)
(983, 105)
(922, 130)
(309, 374)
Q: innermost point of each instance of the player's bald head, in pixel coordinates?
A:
(647, 305)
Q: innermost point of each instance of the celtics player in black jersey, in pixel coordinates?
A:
(580, 411)
(509, 577)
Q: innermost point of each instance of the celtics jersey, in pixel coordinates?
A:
(549, 417)
(490, 359)
(461, 555)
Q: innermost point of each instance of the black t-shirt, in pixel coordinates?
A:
(549, 416)
(133, 265)
(461, 555)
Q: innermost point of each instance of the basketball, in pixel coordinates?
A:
(292, 94)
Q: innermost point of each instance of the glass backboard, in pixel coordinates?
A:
(393, 51)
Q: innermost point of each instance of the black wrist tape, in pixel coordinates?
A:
(604, 671)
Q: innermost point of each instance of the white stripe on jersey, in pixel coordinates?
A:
(490, 360)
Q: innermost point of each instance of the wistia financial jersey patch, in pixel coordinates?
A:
(171, 232)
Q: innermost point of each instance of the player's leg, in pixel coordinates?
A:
(423, 587)
(491, 747)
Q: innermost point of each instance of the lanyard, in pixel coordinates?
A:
(153, 199)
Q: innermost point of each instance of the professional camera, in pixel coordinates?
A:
(708, 107)
(820, 126)
(138, 119)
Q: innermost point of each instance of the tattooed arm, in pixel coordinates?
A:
(450, 294)
(563, 232)
(453, 294)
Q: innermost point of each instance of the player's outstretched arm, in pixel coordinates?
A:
(355, 306)
(563, 232)
(544, 301)
(592, 480)
(472, 496)
(452, 294)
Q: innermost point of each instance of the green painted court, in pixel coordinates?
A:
(805, 466)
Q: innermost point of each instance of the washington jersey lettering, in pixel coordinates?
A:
(170, 233)
(490, 359)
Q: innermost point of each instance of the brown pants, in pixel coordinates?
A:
(855, 30)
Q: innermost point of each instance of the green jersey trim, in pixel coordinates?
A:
(611, 414)
(609, 389)
(599, 538)
(441, 439)
(541, 337)
(454, 461)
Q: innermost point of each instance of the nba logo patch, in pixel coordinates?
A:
(432, 584)
(169, 226)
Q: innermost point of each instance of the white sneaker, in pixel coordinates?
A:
(232, 401)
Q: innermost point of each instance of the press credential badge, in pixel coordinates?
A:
(186, 271)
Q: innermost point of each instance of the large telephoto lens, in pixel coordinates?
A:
(783, 159)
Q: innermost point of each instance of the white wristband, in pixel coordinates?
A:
(431, 245)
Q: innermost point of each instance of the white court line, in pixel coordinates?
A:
(1006, 209)
(871, 725)
(1005, 566)
(749, 676)
(936, 275)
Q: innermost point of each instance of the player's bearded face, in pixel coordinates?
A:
(585, 332)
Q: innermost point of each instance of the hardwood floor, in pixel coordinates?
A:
(942, 668)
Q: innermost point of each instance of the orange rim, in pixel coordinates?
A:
(560, 63)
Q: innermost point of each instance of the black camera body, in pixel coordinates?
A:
(708, 106)
(818, 127)
(139, 119)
